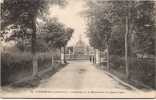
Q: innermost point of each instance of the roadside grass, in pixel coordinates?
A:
(35, 81)
(18, 65)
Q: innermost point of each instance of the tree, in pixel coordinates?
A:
(54, 31)
(68, 34)
(132, 24)
(99, 27)
(139, 24)
(25, 13)
(56, 35)
(145, 28)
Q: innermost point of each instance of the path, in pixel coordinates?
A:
(81, 79)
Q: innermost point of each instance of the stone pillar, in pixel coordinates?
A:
(62, 55)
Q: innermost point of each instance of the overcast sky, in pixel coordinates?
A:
(71, 17)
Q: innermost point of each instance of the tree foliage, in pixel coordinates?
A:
(55, 34)
(141, 25)
(22, 14)
(24, 11)
(99, 30)
(145, 28)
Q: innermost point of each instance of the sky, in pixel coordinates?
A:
(71, 17)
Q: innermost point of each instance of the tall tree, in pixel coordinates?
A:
(132, 21)
(25, 12)
(99, 27)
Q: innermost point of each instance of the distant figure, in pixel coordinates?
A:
(93, 60)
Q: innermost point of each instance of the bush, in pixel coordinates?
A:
(44, 60)
(13, 64)
(18, 65)
(142, 70)
(117, 63)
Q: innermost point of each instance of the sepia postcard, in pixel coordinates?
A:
(77, 49)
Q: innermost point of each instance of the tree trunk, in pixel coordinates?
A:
(33, 38)
(126, 48)
(60, 55)
(0, 68)
(69, 54)
(108, 57)
(52, 58)
(100, 57)
(35, 64)
(94, 58)
(155, 77)
(64, 54)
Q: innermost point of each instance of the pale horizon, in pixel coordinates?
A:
(71, 17)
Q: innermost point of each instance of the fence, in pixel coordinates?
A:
(76, 57)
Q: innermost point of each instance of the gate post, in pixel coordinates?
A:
(97, 57)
